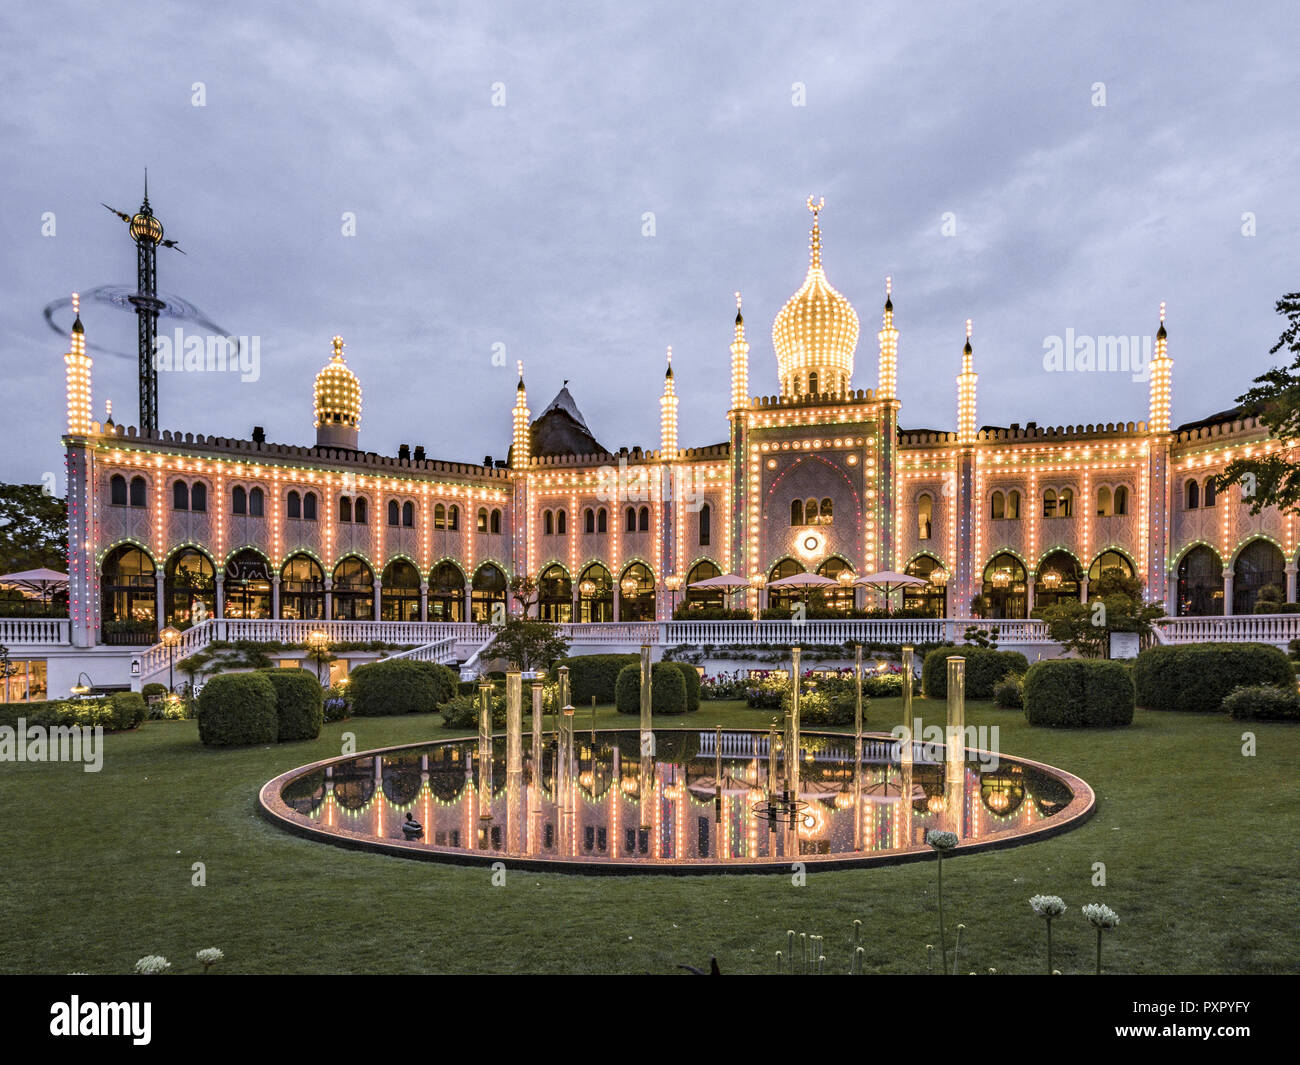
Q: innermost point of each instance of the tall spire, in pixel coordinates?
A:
(668, 415)
(888, 340)
(521, 447)
(966, 383)
(815, 237)
(1162, 370)
(78, 365)
(739, 363)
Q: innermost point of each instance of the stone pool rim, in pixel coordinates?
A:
(272, 807)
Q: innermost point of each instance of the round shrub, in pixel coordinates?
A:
(237, 709)
(299, 703)
(153, 688)
(594, 675)
(1197, 677)
(985, 669)
(1009, 692)
(1078, 693)
(1263, 702)
(129, 710)
(445, 679)
(461, 711)
(691, 676)
(667, 689)
(399, 686)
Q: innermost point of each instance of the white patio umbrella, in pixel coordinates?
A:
(805, 580)
(728, 582)
(887, 580)
(42, 582)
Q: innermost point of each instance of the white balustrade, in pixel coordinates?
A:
(1277, 629)
(34, 631)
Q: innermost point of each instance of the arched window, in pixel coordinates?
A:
(447, 593)
(496, 521)
(345, 508)
(810, 514)
(189, 588)
(1211, 492)
(1193, 495)
(1065, 504)
(589, 521)
(199, 496)
(932, 599)
(180, 495)
(703, 598)
(595, 594)
(555, 595)
(138, 491)
(117, 490)
(302, 589)
(839, 598)
(828, 512)
(998, 506)
(453, 517)
(561, 522)
(1107, 562)
(602, 520)
(309, 506)
(705, 519)
(636, 594)
(482, 524)
(812, 382)
(548, 523)
(1259, 566)
(1049, 503)
(354, 591)
(488, 589)
(1121, 500)
(408, 515)
(643, 520)
(1104, 503)
(796, 512)
(440, 516)
(1013, 506)
(399, 596)
(256, 503)
(783, 599)
(1200, 583)
(924, 516)
(359, 511)
(1005, 588)
(1057, 580)
(631, 519)
(394, 512)
(293, 505)
(247, 586)
(129, 597)
(239, 500)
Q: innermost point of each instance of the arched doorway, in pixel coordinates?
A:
(1259, 565)
(783, 599)
(932, 600)
(447, 592)
(839, 598)
(1106, 564)
(354, 591)
(399, 595)
(486, 590)
(636, 594)
(1058, 580)
(1005, 591)
(247, 586)
(189, 588)
(1200, 583)
(555, 595)
(595, 594)
(129, 613)
(703, 598)
(302, 589)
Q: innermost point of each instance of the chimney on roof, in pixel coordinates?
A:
(404, 452)
(259, 435)
(419, 452)
(487, 461)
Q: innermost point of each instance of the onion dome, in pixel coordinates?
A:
(816, 332)
(338, 402)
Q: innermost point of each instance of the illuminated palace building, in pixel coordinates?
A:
(169, 527)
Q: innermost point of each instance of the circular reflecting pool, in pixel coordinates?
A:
(697, 801)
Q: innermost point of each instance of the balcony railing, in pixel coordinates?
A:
(1277, 629)
(34, 631)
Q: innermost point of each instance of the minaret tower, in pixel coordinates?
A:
(79, 462)
(147, 233)
(967, 507)
(966, 382)
(668, 416)
(738, 416)
(887, 468)
(520, 455)
(1158, 486)
(888, 338)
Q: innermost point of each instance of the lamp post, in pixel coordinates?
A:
(80, 689)
(170, 637)
(318, 642)
(756, 581)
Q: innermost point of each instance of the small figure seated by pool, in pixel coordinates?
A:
(411, 828)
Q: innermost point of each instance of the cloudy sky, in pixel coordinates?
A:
(961, 148)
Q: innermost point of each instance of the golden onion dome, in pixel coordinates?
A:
(338, 392)
(816, 333)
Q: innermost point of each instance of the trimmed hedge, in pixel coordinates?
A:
(237, 709)
(691, 676)
(393, 687)
(986, 667)
(1009, 692)
(446, 679)
(299, 703)
(1263, 702)
(1079, 693)
(462, 711)
(1197, 677)
(667, 689)
(113, 713)
(594, 675)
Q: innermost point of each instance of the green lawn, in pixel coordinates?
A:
(95, 869)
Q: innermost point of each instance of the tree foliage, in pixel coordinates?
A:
(528, 644)
(1116, 606)
(33, 528)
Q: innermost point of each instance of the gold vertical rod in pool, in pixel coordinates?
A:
(485, 751)
(955, 745)
(792, 755)
(905, 744)
(647, 726)
(514, 722)
(563, 674)
(717, 772)
(857, 687)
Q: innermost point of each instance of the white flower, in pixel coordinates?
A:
(941, 841)
(209, 956)
(1048, 905)
(152, 964)
(1100, 916)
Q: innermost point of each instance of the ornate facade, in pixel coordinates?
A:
(171, 527)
